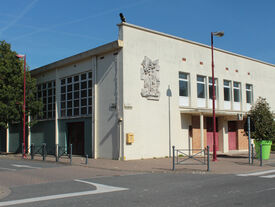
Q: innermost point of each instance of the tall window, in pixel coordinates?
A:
(46, 92)
(210, 86)
(249, 93)
(183, 84)
(76, 95)
(226, 90)
(201, 86)
(237, 91)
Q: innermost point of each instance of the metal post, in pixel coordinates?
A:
(71, 153)
(208, 159)
(204, 155)
(249, 140)
(32, 151)
(252, 152)
(169, 94)
(22, 150)
(213, 101)
(56, 153)
(261, 155)
(86, 160)
(44, 151)
(173, 158)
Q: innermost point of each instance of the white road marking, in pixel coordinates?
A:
(25, 166)
(9, 169)
(99, 189)
(265, 190)
(257, 173)
(268, 176)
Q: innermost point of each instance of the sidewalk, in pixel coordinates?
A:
(226, 164)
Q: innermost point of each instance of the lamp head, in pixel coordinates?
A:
(20, 56)
(218, 34)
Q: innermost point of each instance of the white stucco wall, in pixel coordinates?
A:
(148, 119)
(107, 135)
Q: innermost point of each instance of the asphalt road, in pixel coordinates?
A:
(162, 189)
(15, 165)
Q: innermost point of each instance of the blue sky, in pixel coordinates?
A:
(49, 30)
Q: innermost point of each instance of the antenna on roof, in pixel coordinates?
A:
(122, 18)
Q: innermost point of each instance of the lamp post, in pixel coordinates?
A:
(217, 34)
(24, 106)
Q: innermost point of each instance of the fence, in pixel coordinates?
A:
(200, 156)
(41, 150)
(253, 155)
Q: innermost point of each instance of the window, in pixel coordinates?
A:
(46, 93)
(200, 86)
(76, 95)
(226, 90)
(237, 91)
(210, 87)
(183, 84)
(249, 93)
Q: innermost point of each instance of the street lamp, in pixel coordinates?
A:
(24, 106)
(217, 34)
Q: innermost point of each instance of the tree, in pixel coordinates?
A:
(263, 121)
(12, 86)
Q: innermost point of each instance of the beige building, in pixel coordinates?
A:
(113, 101)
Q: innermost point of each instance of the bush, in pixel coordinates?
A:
(263, 122)
(273, 147)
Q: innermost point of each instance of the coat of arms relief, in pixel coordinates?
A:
(149, 73)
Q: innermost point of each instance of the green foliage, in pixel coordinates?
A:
(262, 118)
(12, 87)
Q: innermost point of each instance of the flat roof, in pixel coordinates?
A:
(80, 56)
(191, 42)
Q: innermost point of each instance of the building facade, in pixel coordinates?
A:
(139, 95)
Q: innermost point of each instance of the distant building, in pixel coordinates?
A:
(113, 101)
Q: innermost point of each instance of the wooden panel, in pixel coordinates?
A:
(232, 135)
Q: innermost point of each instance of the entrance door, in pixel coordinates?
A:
(76, 137)
(209, 127)
(232, 135)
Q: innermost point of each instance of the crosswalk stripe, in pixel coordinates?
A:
(257, 173)
(268, 176)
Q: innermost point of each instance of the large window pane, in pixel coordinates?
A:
(45, 92)
(74, 91)
(226, 90)
(201, 86)
(183, 88)
(210, 87)
(237, 92)
(249, 95)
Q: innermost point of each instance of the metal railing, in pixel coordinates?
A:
(63, 151)
(200, 156)
(253, 155)
(43, 150)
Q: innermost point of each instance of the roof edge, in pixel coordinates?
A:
(191, 42)
(117, 44)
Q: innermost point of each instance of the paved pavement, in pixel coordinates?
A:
(14, 171)
(226, 164)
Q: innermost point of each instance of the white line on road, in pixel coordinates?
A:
(265, 190)
(268, 176)
(99, 189)
(25, 166)
(257, 173)
(9, 169)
